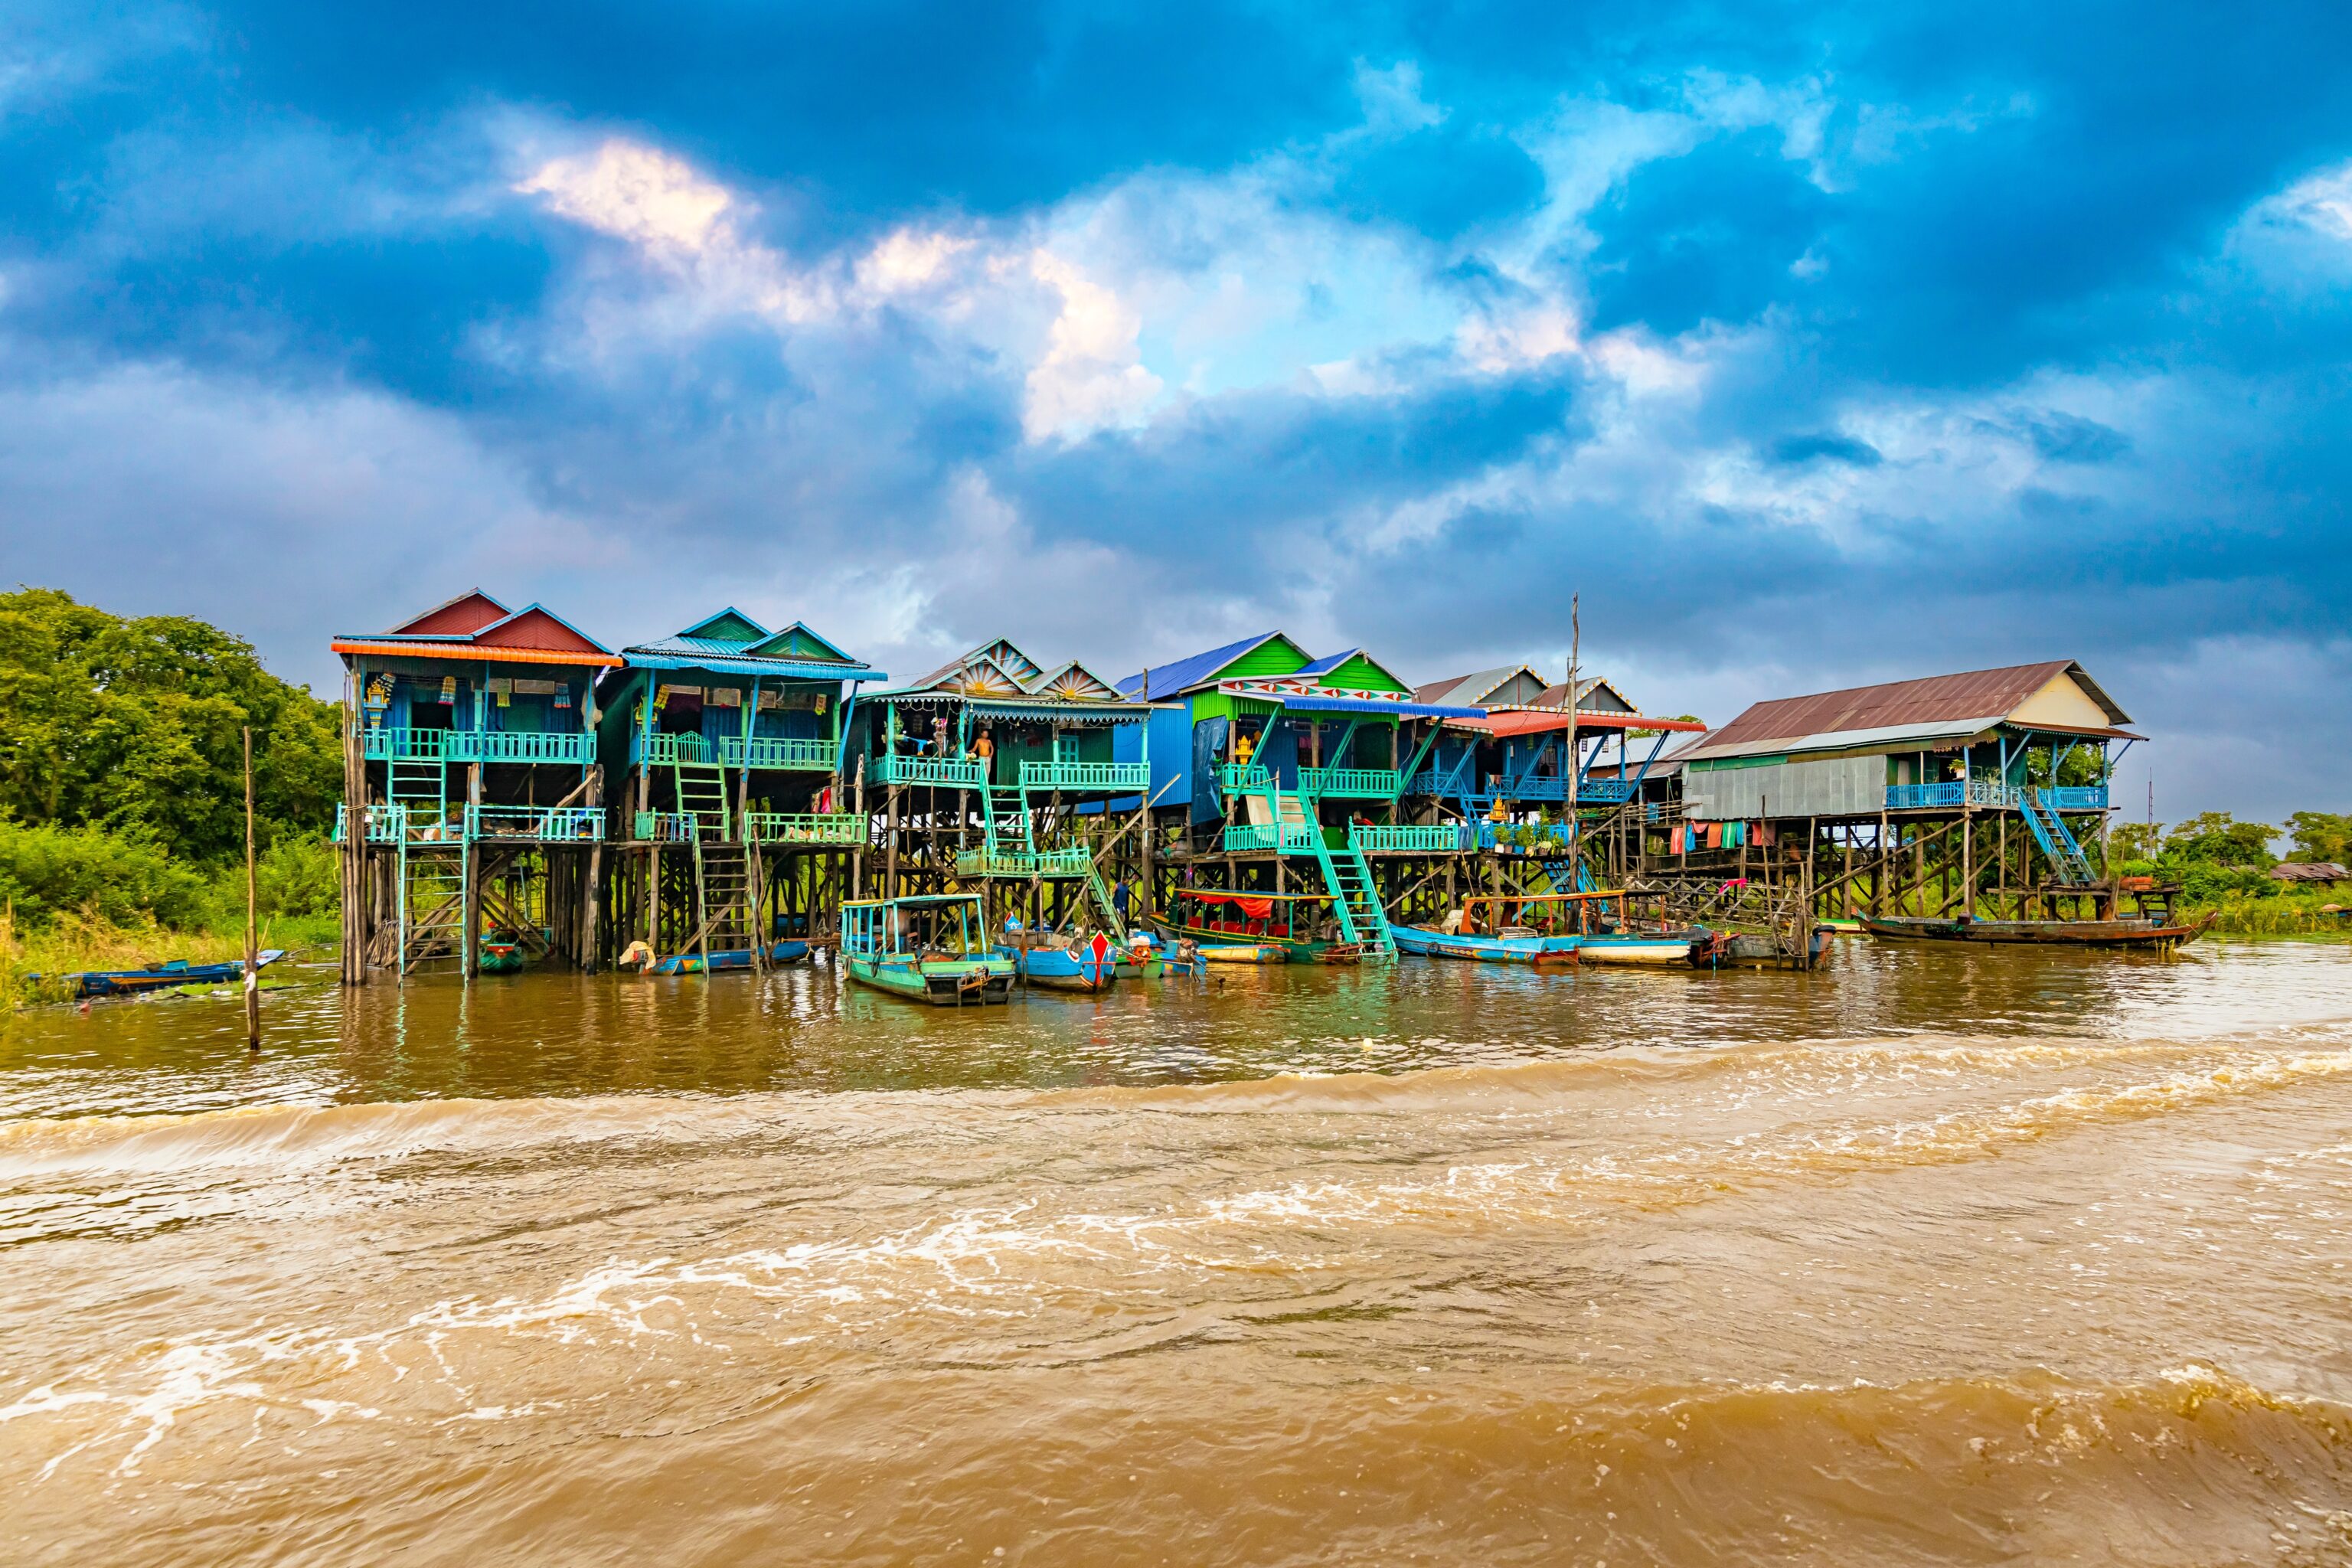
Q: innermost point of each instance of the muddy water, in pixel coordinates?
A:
(1931, 1257)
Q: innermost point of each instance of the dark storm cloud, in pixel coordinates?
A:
(1811, 344)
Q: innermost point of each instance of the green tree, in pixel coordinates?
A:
(131, 724)
(2217, 838)
(2322, 835)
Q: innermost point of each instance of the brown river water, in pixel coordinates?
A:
(1929, 1257)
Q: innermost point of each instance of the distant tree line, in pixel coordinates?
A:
(121, 771)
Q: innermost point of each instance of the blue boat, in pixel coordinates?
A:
(1092, 966)
(788, 952)
(1524, 928)
(92, 983)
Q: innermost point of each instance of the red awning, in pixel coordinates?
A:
(1512, 721)
(474, 653)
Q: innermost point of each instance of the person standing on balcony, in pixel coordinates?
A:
(939, 734)
(983, 752)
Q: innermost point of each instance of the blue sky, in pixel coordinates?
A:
(1812, 345)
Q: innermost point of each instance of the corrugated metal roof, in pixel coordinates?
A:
(1468, 687)
(1938, 705)
(1169, 678)
(1327, 664)
(1506, 721)
(1319, 704)
(725, 664)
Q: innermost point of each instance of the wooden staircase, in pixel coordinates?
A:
(726, 894)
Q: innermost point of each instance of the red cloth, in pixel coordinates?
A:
(1255, 909)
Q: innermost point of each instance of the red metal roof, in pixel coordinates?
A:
(477, 653)
(1506, 721)
(1988, 694)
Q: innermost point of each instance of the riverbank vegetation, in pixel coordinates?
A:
(122, 796)
(2223, 867)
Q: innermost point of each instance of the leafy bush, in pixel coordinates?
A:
(296, 876)
(47, 871)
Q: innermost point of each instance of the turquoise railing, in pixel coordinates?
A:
(572, 747)
(1075, 862)
(669, 750)
(411, 745)
(1602, 792)
(2082, 798)
(1422, 838)
(805, 828)
(664, 827)
(953, 772)
(793, 753)
(1292, 838)
(576, 823)
(1123, 776)
(1377, 784)
(1950, 793)
(384, 823)
(1242, 776)
(480, 746)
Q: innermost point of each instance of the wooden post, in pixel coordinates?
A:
(1575, 652)
(590, 946)
(890, 842)
(356, 908)
(252, 942)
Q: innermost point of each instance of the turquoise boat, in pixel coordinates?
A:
(931, 949)
(790, 951)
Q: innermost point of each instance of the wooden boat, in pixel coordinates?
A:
(2142, 932)
(1264, 953)
(1219, 917)
(499, 954)
(930, 949)
(1090, 965)
(1641, 947)
(790, 951)
(90, 983)
(1533, 928)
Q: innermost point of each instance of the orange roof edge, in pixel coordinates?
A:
(468, 653)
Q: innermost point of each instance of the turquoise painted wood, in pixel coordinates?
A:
(1357, 783)
(1123, 778)
(951, 773)
(562, 824)
(786, 754)
(805, 828)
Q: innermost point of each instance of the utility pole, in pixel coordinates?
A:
(1575, 652)
(252, 946)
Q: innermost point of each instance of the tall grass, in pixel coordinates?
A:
(72, 941)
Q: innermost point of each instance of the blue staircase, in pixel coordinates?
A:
(2058, 844)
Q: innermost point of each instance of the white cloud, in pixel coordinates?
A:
(1092, 376)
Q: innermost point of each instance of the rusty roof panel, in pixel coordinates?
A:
(1938, 700)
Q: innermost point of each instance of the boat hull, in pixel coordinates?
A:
(1427, 943)
(1298, 950)
(1230, 953)
(2038, 933)
(1670, 948)
(942, 983)
(1059, 968)
(788, 952)
(162, 977)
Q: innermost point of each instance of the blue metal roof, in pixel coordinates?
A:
(1321, 704)
(736, 664)
(1327, 665)
(1173, 678)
